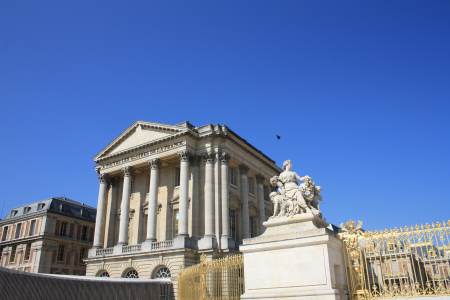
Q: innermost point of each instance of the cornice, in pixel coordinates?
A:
(25, 217)
(139, 153)
(22, 240)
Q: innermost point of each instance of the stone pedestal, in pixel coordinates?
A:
(296, 257)
(207, 243)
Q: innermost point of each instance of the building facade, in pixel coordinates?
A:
(49, 236)
(168, 193)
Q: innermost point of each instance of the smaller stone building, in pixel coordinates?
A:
(49, 236)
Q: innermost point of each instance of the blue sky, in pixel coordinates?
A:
(358, 90)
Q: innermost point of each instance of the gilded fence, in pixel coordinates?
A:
(400, 262)
(213, 280)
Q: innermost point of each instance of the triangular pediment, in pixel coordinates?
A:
(138, 134)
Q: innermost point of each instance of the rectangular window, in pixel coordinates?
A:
(251, 185)
(57, 227)
(27, 252)
(84, 233)
(175, 217)
(177, 176)
(32, 227)
(78, 231)
(63, 229)
(232, 222)
(71, 230)
(12, 257)
(60, 256)
(233, 176)
(5, 233)
(18, 228)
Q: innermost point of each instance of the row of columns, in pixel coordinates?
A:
(211, 193)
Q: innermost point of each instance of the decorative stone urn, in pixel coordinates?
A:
(299, 256)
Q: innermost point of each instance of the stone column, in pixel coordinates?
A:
(261, 202)
(153, 200)
(217, 196)
(125, 207)
(100, 217)
(110, 233)
(208, 241)
(225, 201)
(195, 195)
(245, 220)
(184, 194)
(209, 195)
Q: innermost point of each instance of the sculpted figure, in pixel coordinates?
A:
(290, 180)
(289, 197)
(311, 193)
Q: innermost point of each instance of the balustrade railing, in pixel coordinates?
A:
(131, 248)
(162, 245)
(155, 246)
(104, 251)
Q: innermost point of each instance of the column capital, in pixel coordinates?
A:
(112, 180)
(185, 155)
(259, 179)
(209, 157)
(126, 171)
(243, 169)
(103, 178)
(154, 163)
(224, 157)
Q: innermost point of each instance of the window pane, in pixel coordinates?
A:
(18, 228)
(32, 227)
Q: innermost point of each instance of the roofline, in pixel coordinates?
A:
(250, 145)
(183, 131)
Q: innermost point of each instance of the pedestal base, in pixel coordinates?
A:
(182, 241)
(226, 243)
(295, 258)
(207, 243)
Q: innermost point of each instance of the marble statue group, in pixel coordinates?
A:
(293, 194)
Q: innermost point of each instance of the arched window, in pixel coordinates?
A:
(103, 274)
(162, 272)
(131, 273)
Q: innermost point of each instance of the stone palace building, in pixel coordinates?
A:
(168, 193)
(49, 236)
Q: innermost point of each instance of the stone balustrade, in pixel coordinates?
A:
(162, 245)
(131, 248)
(104, 251)
(126, 249)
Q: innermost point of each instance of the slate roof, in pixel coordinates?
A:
(59, 205)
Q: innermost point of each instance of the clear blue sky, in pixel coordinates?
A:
(358, 90)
